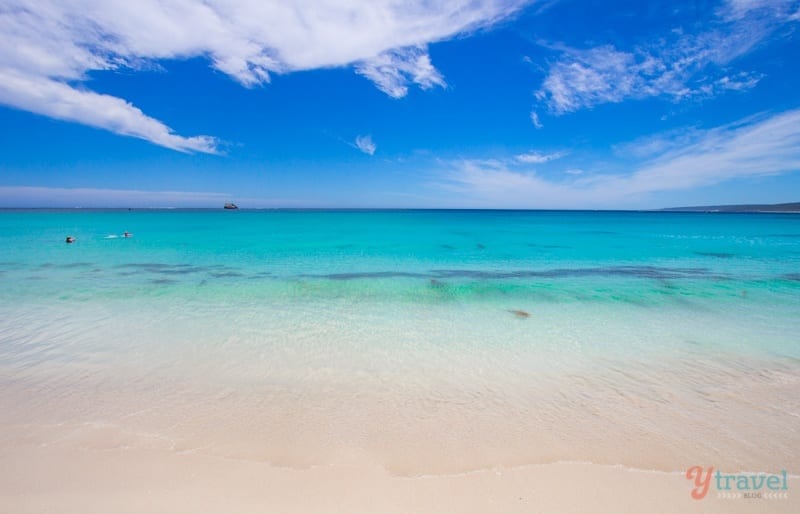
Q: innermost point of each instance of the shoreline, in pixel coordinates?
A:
(72, 480)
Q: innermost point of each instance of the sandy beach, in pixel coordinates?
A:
(37, 479)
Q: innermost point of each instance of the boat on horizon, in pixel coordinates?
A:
(230, 205)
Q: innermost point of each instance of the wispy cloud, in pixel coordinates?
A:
(49, 46)
(740, 82)
(750, 148)
(585, 78)
(653, 145)
(27, 196)
(754, 147)
(780, 9)
(535, 120)
(394, 70)
(676, 65)
(366, 145)
(61, 101)
(539, 157)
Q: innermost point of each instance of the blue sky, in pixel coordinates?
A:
(346, 103)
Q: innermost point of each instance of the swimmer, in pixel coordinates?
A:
(70, 239)
(126, 234)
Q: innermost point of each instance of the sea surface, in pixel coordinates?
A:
(425, 341)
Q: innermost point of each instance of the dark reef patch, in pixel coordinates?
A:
(651, 272)
(163, 281)
(719, 255)
(224, 274)
(71, 265)
(536, 245)
(183, 271)
(654, 272)
(174, 269)
(369, 274)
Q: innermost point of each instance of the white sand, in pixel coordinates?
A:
(67, 479)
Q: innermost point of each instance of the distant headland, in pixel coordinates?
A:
(777, 207)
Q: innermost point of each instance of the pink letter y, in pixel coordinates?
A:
(701, 484)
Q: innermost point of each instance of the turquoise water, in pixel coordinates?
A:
(557, 256)
(511, 323)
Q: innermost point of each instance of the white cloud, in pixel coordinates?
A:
(753, 147)
(58, 100)
(738, 9)
(392, 71)
(535, 120)
(585, 78)
(539, 157)
(26, 196)
(677, 65)
(52, 45)
(651, 146)
(487, 184)
(366, 145)
(738, 82)
(747, 149)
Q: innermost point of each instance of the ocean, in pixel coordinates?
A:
(424, 341)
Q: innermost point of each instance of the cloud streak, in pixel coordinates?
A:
(586, 78)
(777, 9)
(366, 145)
(49, 47)
(751, 148)
(676, 66)
(539, 157)
(535, 120)
(28, 196)
(393, 71)
(60, 101)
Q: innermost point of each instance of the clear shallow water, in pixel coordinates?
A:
(651, 339)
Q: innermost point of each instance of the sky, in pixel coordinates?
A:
(518, 104)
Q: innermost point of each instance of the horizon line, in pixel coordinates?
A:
(725, 209)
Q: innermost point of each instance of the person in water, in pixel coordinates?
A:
(70, 239)
(126, 234)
